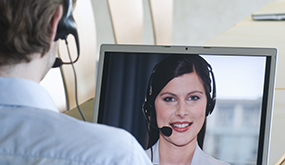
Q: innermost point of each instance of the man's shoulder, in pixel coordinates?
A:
(65, 137)
(60, 124)
(106, 142)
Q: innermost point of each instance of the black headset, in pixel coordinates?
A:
(65, 27)
(148, 107)
(211, 101)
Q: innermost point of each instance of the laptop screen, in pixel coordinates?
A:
(238, 129)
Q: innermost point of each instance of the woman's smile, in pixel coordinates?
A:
(180, 126)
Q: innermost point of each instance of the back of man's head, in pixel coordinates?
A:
(25, 29)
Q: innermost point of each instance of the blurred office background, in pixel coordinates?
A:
(194, 21)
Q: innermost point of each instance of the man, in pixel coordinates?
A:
(32, 131)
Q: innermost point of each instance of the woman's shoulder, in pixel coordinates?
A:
(202, 158)
(153, 153)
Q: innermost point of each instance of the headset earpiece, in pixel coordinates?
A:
(147, 107)
(66, 24)
(211, 102)
(65, 27)
(146, 110)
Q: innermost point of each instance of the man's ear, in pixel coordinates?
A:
(55, 20)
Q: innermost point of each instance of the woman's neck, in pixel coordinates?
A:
(171, 154)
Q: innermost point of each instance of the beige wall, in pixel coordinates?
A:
(195, 21)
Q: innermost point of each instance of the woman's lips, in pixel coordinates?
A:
(180, 126)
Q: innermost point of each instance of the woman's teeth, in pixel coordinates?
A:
(181, 125)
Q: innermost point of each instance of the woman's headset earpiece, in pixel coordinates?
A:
(147, 106)
(211, 102)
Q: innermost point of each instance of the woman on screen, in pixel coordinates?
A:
(177, 102)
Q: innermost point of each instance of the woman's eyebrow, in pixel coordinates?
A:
(193, 92)
(172, 94)
(167, 93)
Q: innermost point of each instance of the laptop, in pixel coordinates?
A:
(237, 131)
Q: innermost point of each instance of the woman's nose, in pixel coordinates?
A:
(182, 109)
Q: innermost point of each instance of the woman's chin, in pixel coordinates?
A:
(180, 141)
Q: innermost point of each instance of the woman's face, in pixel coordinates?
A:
(181, 105)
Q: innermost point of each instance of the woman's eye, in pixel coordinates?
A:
(168, 99)
(193, 98)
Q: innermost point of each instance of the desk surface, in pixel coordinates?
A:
(87, 109)
(250, 33)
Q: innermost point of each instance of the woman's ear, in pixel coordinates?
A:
(54, 22)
